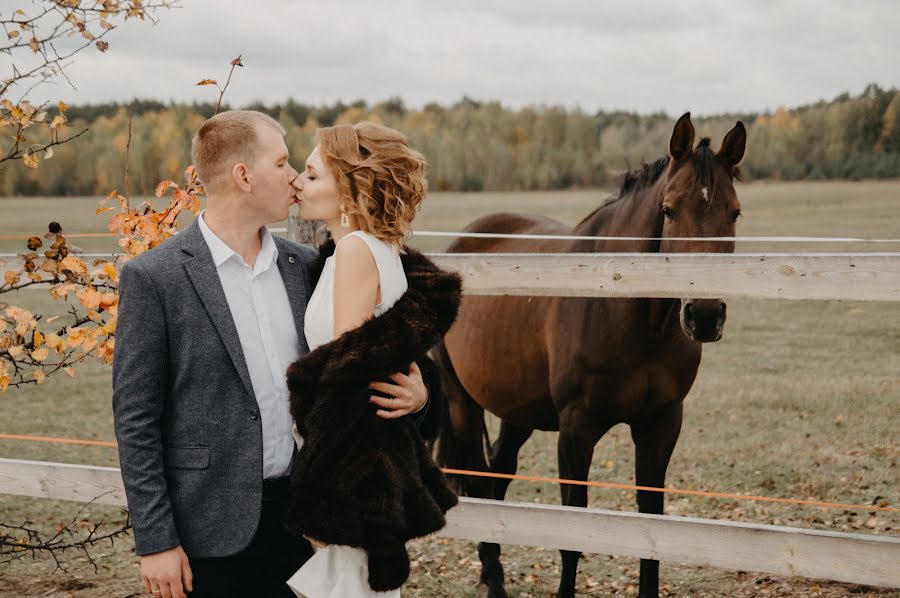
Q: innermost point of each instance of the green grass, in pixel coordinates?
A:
(800, 399)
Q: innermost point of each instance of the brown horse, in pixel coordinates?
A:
(580, 365)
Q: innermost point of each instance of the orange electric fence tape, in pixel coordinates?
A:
(72, 236)
(525, 478)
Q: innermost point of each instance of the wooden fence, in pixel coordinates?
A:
(853, 558)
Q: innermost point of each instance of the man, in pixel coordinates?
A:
(208, 323)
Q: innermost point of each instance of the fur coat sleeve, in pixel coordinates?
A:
(361, 480)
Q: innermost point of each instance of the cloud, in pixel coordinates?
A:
(642, 55)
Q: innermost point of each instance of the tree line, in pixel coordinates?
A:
(472, 145)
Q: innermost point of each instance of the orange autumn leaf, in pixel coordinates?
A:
(90, 298)
(162, 187)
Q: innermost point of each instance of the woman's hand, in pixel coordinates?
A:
(319, 545)
(407, 395)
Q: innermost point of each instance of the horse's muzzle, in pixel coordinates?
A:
(703, 319)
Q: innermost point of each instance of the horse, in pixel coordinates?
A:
(582, 365)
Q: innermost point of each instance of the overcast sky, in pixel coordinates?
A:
(707, 57)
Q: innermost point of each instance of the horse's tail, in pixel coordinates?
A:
(449, 451)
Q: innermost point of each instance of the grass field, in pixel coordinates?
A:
(800, 399)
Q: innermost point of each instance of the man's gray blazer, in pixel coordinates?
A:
(186, 418)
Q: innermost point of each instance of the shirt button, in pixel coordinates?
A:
(254, 414)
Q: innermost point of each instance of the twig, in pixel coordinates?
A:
(127, 149)
(13, 548)
(234, 63)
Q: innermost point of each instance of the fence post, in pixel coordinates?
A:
(302, 231)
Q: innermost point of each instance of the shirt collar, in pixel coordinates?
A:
(221, 252)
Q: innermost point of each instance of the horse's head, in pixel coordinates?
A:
(699, 201)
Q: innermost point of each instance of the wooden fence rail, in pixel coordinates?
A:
(852, 558)
(821, 276)
(864, 277)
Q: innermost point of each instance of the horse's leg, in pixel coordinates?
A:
(654, 440)
(504, 459)
(505, 455)
(578, 434)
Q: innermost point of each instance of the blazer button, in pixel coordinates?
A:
(254, 414)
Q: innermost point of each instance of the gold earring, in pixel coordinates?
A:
(345, 220)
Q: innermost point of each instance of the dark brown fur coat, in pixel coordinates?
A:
(361, 480)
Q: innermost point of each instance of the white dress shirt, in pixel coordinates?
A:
(262, 315)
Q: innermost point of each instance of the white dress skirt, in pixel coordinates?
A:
(343, 571)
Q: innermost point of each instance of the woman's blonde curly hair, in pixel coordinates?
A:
(380, 178)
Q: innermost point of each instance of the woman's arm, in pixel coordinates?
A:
(356, 285)
(356, 293)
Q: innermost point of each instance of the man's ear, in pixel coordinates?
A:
(242, 177)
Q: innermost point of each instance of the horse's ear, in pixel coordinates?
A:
(682, 143)
(733, 145)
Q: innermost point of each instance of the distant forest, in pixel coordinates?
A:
(473, 146)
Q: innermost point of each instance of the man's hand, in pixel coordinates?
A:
(406, 395)
(167, 574)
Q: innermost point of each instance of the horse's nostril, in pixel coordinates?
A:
(722, 309)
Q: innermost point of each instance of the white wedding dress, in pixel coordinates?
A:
(342, 571)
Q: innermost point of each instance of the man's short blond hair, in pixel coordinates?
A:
(227, 139)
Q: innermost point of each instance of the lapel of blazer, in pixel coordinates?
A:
(293, 273)
(203, 275)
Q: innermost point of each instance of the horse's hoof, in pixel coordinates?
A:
(486, 591)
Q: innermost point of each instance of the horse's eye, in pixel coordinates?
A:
(668, 213)
(736, 215)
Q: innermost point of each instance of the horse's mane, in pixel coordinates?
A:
(648, 173)
(643, 176)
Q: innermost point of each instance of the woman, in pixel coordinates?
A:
(363, 485)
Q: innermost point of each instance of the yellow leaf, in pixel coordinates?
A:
(40, 354)
(207, 82)
(111, 272)
(38, 339)
(39, 376)
(30, 160)
(13, 34)
(34, 45)
(58, 121)
(20, 12)
(70, 372)
(21, 329)
(106, 24)
(11, 277)
(48, 154)
(16, 351)
(54, 341)
(63, 106)
(4, 383)
(101, 210)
